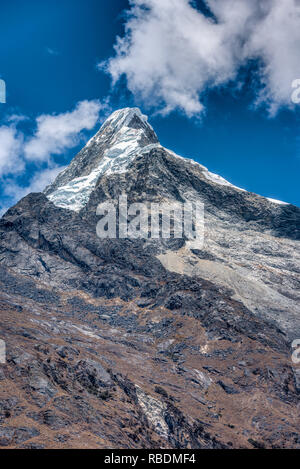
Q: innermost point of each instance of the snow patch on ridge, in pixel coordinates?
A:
(275, 201)
(219, 180)
(207, 174)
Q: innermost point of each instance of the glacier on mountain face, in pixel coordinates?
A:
(116, 158)
(119, 153)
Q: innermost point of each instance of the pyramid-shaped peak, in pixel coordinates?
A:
(133, 118)
(123, 117)
(124, 134)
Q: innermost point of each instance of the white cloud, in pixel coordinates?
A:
(276, 40)
(16, 118)
(39, 181)
(10, 150)
(172, 54)
(56, 133)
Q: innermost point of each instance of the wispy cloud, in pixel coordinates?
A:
(56, 133)
(16, 118)
(53, 135)
(171, 53)
(39, 181)
(52, 51)
(11, 143)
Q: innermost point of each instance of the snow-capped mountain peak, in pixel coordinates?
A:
(122, 136)
(125, 125)
(125, 117)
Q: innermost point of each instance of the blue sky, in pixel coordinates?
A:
(49, 58)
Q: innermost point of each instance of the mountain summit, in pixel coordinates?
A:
(148, 343)
(122, 136)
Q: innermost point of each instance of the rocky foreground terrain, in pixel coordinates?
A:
(142, 343)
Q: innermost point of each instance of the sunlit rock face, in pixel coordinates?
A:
(148, 343)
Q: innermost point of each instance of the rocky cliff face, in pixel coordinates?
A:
(148, 342)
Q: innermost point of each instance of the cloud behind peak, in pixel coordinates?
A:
(172, 53)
